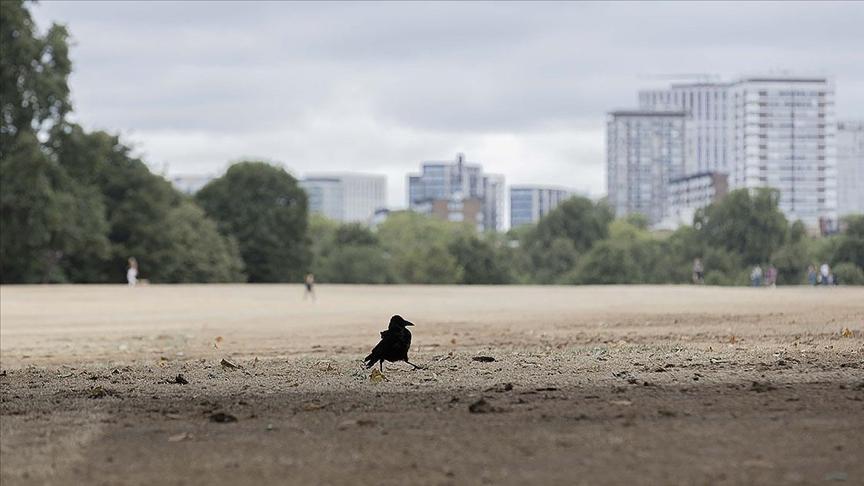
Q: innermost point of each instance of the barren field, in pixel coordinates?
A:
(581, 385)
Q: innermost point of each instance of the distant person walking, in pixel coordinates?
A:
(771, 276)
(825, 274)
(756, 276)
(132, 272)
(310, 287)
(698, 272)
(812, 277)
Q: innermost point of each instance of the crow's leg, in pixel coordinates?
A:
(381, 365)
(415, 366)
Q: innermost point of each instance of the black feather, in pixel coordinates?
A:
(394, 344)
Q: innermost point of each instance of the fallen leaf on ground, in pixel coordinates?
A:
(377, 377)
(483, 359)
(180, 437)
(847, 332)
(324, 365)
(180, 380)
(229, 365)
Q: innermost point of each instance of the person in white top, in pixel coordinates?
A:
(825, 273)
(132, 272)
(756, 276)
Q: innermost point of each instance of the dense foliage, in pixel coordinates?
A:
(75, 205)
(410, 248)
(265, 210)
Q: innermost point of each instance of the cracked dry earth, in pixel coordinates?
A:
(589, 385)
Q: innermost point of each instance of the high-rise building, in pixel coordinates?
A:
(691, 192)
(462, 188)
(774, 131)
(644, 150)
(529, 203)
(346, 197)
(782, 135)
(706, 103)
(456, 209)
(493, 201)
(850, 167)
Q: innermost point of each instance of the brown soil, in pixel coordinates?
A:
(590, 385)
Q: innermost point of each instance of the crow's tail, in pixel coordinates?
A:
(370, 360)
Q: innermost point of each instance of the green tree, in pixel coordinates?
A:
(265, 210)
(676, 253)
(747, 223)
(346, 253)
(479, 258)
(147, 217)
(554, 244)
(791, 259)
(418, 249)
(34, 93)
(854, 225)
(850, 245)
(847, 273)
(48, 222)
(52, 227)
(195, 251)
(629, 255)
(353, 264)
(791, 262)
(724, 267)
(577, 219)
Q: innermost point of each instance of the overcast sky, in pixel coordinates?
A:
(381, 87)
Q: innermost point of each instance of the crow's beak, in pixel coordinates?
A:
(409, 323)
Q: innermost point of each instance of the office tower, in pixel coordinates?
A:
(346, 197)
(644, 150)
(706, 104)
(691, 192)
(782, 135)
(850, 167)
(529, 203)
(768, 131)
(458, 191)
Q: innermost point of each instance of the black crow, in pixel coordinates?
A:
(394, 344)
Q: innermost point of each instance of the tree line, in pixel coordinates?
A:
(76, 204)
(580, 242)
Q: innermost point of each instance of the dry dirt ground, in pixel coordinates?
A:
(589, 385)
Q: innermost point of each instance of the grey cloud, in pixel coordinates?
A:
(447, 76)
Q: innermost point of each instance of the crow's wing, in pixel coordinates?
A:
(378, 351)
